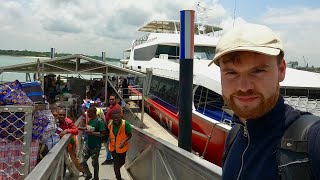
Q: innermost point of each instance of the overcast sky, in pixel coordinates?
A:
(90, 27)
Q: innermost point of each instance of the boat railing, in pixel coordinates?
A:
(133, 101)
(210, 104)
(124, 94)
(52, 165)
(210, 107)
(150, 157)
(167, 56)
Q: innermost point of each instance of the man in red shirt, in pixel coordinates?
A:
(113, 106)
(68, 126)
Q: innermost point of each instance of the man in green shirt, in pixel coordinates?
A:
(65, 89)
(95, 129)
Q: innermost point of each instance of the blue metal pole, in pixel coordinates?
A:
(52, 51)
(186, 78)
(103, 56)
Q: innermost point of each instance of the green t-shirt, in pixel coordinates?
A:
(65, 90)
(127, 127)
(98, 124)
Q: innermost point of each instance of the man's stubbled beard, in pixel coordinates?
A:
(247, 112)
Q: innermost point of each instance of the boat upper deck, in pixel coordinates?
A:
(173, 26)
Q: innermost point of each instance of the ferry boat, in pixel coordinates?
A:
(211, 119)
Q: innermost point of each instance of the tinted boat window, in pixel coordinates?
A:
(209, 103)
(205, 98)
(165, 89)
(172, 51)
(145, 53)
(204, 52)
(314, 93)
(149, 52)
(310, 93)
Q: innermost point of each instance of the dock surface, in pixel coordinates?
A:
(105, 172)
(153, 127)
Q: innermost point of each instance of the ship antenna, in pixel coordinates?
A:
(234, 11)
(201, 19)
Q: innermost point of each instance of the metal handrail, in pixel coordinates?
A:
(135, 92)
(46, 166)
(164, 156)
(150, 157)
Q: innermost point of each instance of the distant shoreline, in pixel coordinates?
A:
(47, 57)
(44, 55)
(33, 57)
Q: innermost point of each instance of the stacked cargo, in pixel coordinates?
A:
(21, 126)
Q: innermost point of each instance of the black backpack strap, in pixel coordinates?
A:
(292, 155)
(295, 137)
(232, 136)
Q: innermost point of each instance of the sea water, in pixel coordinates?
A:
(13, 60)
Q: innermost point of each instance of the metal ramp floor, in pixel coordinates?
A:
(105, 172)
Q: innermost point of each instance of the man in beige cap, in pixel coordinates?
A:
(260, 145)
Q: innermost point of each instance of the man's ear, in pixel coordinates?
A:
(282, 70)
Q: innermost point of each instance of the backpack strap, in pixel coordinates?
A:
(292, 155)
(295, 137)
(232, 136)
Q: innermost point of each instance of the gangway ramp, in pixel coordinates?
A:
(105, 171)
(151, 126)
(149, 158)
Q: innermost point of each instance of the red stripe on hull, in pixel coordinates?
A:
(200, 135)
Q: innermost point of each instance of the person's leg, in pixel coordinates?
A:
(108, 154)
(86, 156)
(75, 159)
(116, 165)
(95, 162)
(122, 159)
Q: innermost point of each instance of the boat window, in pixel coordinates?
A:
(149, 52)
(165, 89)
(200, 52)
(145, 53)
(172, 51)
(204, 52)
(209, 103)
(314, 94)
(309, 93)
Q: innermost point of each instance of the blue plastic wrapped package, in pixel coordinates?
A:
(51, 141)
(51, 127)
(8, 87)
(11, 93)
(33, 91)
(40, 122)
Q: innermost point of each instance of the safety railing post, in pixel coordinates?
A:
(26, 146)
(142, 107)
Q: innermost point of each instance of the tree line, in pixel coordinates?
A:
(44, 54)
(295, 65)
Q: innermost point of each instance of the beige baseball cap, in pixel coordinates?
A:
(248, 37)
